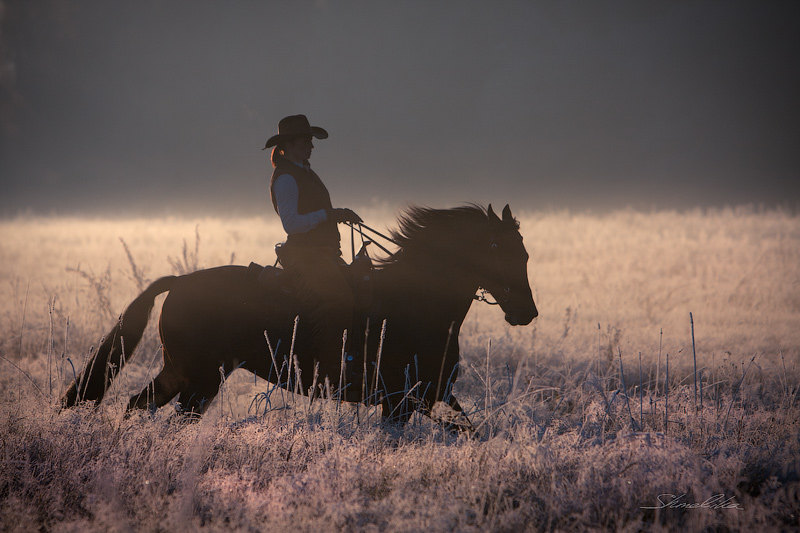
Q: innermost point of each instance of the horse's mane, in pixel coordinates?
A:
(421, 229)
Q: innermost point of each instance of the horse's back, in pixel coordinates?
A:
(222, 281)
(220, 309)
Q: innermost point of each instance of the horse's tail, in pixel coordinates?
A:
(106, 363)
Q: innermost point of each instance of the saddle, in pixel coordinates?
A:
(273, 278)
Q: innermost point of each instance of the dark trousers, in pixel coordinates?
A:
(326, 300)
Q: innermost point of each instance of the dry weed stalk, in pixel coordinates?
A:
(136, 273)
(658, 363)
(694, 357)
(189, 260)
(374, 394)
(666, 398)
(342, 364)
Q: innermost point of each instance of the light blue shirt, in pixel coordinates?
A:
(286, 197)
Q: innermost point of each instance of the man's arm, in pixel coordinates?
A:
(286, 196)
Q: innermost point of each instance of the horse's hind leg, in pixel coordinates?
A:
(156, 394)
(195, 399)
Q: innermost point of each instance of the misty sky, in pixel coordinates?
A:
(163, 106)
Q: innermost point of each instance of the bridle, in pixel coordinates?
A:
(367, 240)
(506, 290)
(482, 297)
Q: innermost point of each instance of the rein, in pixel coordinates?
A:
(366, 239)
(369, 240)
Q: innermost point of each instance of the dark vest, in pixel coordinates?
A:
(312, 196)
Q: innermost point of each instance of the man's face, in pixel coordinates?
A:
(299, 149)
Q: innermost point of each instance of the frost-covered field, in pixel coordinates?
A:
(562, 443)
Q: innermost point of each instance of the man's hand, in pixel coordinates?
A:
(343, 214)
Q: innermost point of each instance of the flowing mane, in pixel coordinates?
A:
(424, 229)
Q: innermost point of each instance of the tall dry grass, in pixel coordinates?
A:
(580, 426)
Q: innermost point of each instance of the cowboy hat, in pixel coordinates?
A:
(295, 126)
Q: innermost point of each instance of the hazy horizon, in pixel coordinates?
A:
(159, 108)
(387, 213)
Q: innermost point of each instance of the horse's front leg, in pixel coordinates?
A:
(457, 420)
(454, 419)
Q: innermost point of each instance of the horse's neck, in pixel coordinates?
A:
(436, 292)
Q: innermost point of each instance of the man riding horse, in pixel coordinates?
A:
(312, 249)
(216, 320)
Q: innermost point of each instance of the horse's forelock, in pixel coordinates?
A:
(512, 224)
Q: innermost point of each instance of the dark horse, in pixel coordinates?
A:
(219, 318)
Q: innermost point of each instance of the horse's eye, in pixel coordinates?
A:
(493, 245)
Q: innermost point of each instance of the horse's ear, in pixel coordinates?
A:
(507, 214)
(492, 217)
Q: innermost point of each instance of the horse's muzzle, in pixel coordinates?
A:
(522, 319)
